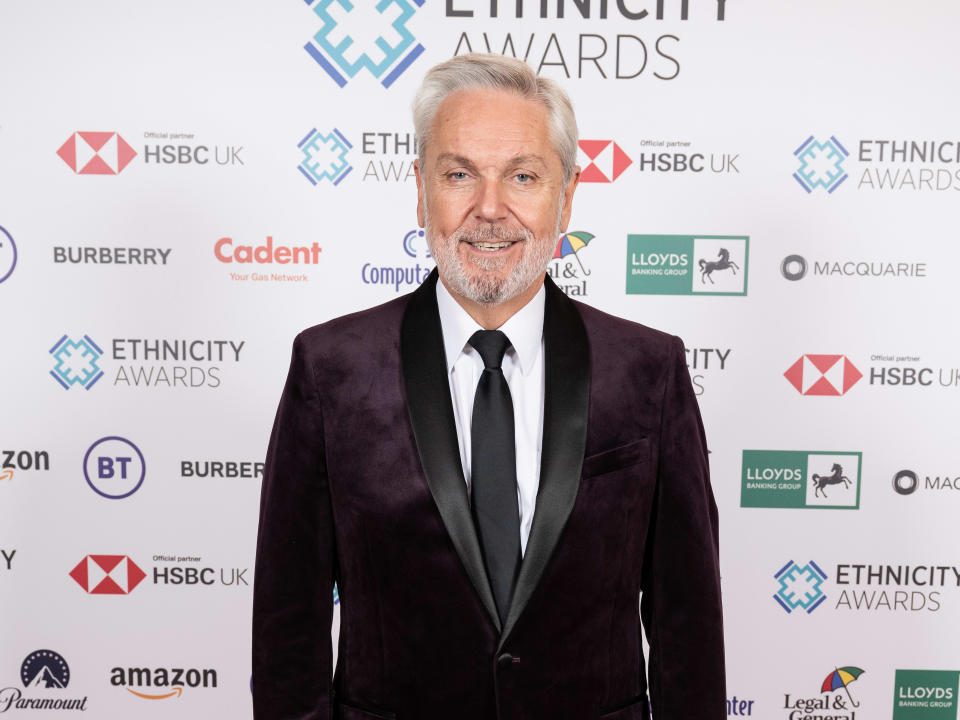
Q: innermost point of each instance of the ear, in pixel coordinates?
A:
(568, 199)
(420, 199)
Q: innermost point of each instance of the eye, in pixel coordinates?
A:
(457, 175)
(524, 178)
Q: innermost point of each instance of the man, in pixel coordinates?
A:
(491, 473)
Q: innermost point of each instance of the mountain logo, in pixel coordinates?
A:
(44, 669)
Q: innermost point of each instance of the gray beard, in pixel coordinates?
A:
(486, 288)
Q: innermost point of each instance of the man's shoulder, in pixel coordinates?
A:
(612, 335)
(364, 331)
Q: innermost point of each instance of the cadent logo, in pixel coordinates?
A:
(107, 574)
(603, 161)
(96, 153)
(371, 36)
(823, 375)
(821, 164)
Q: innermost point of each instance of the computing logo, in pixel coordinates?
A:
(821, 164)
(96, 153)
(411, 240)
(800, 587)
(603, 161)
(44, 669)
(371, 36)
(325, 157)
(107, 574)
(8, 255)
(823, 375)
(76, 362)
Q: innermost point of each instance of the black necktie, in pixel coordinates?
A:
(493, 473)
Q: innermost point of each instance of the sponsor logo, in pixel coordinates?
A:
(405, 276)
(202, 360)
(187, 153)
(8, 255)
(220, 469)
(13, 460)
(41, 671)
(909, 165)
(796, 267)
(161, 683)
(907, 482)
(325, 157)
(595, 55)
(96, 153)
(107, 574)
(821, 164)
(901, 375)
(800, 587)
(925, 694)
(76, 362)
(823, 375)
(374, 37)
(8, 558)
(687, 264)
(84, 255)
(679, 159)
(835, 697)
(738, 707)
(701, 362)
(389, 156)
(603, 161)
(189, 570)
(269, 253)
(912, 588)
(800, 479)
(570, 275)
(114, 467)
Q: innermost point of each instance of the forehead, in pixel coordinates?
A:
(486, 124)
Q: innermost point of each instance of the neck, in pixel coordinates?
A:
(491, 317)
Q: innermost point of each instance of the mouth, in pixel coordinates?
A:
(486, 246)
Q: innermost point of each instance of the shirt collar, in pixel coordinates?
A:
(524, 328)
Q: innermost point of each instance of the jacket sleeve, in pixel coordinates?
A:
(295, 567)
(680, 602)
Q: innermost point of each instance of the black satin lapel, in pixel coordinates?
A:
(431, 415)
(566, 394)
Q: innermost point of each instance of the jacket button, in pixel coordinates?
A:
(506, 660)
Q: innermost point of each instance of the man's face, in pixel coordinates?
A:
(491, 194)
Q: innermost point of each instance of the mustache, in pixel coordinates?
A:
(487, 233)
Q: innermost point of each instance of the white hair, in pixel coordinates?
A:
(496, 72)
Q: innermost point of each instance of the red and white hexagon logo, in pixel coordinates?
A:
(823, 375)
(107, 574)
(96, 153)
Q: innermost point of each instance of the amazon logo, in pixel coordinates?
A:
(161, 683)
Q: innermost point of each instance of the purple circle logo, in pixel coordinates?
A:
(8, 254)
(114, 467)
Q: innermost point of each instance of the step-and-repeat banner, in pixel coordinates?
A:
(184, 186)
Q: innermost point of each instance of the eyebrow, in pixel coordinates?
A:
(515, 160)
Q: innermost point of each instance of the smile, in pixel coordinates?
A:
(492, 246)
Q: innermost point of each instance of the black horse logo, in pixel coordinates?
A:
(835, 478)
(724, 263)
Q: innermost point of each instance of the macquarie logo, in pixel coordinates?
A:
(687, 264)
(8, 255)
(161, 683)
(925, 694)
(107, 574)
(796, 267)
(370, 37)
(907, 482)
(823, 374)
(96, 153)
(820, 164)
(800, 587)
(800, 479)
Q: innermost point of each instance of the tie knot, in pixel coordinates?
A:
(491, 344)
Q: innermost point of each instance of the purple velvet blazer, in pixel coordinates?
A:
(363, 487)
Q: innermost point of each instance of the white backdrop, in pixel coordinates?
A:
(230, 87)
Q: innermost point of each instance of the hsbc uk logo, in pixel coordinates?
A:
(603, 161)
(96, 153)
(107, 574)
(823, 375)
(371, 36)
(325, 157)
(76, 362)
(821, 164)
(800, 587)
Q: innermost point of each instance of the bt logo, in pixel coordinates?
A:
(114, 467)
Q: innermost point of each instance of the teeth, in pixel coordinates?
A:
(492, 246)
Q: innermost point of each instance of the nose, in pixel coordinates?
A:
(491, 206)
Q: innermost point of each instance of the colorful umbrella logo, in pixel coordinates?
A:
(570, 243)
(841, 678)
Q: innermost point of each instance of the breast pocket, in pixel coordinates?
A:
(617, 458)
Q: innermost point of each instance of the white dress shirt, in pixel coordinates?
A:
(523, 370)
